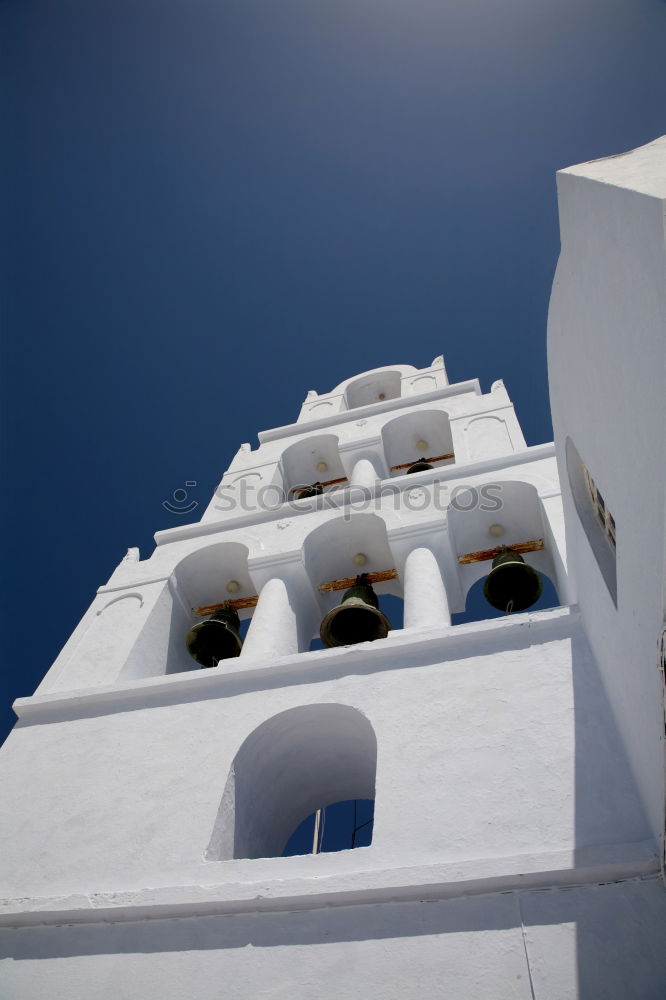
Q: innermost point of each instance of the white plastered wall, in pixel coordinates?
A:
(606, 356)
(482, 426)
(589, 942)
(481, 766)
(389, 381)
(136, 625)
(499, 768)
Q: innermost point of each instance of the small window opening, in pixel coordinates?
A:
(341, 826)
(287, 769)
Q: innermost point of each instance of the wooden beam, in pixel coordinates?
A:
(334, 482)
(296, 490)
(237, 604)
(349, 581)
(483, 555)
(243, 603)
(435, 458)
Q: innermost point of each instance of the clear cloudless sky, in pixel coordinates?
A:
(209, 208)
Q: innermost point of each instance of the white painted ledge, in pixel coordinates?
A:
(640, 170)
(588, 866)
(404, 648)
(346, 497)
(369, 410)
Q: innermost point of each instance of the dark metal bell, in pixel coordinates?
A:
(356, 619)
(419, 466)
(218, 638)
(310, 491)
(512, 585)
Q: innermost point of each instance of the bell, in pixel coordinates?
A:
(356, 619)
(310, 491)
(512, 585)
(419, 466)
(218, 638)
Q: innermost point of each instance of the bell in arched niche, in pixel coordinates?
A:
(217, 638)
(512, 585)
(356, 619)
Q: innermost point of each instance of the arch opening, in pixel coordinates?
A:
(373, 388)
(343, 548)
(491, 517)
(424, 435)
(314, 460)
(290, 766)
(211, 575)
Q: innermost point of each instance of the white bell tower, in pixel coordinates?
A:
(148, 799)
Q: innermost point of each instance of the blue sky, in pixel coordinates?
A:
(210, 208)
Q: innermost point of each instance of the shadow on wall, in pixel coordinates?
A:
(265, 930)
(608, 810)
(590, 941)
(534, 940)
(608, 807)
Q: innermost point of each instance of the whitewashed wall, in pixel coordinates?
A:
(607, 368)
(587, 942)
(512, 855)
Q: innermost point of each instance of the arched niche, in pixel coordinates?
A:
(302, 462)
(330, 553)
(212, 574)
(373, 388)
(402, 436)
(513, 507)
(294, 763)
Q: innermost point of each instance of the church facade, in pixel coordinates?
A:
(233, 684)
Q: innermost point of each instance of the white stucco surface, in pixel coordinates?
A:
(125, 799)
(515, 851)
(591, 942)
(607, 370)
